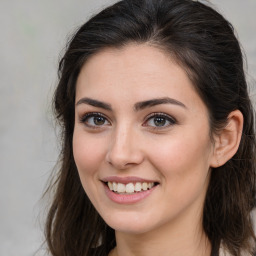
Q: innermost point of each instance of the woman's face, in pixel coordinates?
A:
(142, 130)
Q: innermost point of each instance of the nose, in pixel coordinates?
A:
(125, 149)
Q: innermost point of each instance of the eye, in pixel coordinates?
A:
(94, 120)
(159, 120)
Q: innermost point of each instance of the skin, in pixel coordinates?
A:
(178, 154)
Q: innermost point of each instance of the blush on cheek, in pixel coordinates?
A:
(87, 154)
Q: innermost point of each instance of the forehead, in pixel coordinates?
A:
(138, 72)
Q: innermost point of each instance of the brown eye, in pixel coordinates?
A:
(99, 120)
(160, 120)
(94, 120)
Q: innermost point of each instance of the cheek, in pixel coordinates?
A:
(88, 156)
(88, 152)
(183, 160)
(184, 169)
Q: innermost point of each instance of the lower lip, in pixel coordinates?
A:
(127, 198)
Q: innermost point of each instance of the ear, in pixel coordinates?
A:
(228, 139)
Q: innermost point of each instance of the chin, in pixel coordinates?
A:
(130, 228)
(131, 223)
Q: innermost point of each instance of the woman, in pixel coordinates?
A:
(158, 153)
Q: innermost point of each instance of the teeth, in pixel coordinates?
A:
(144, 186)
(110, 185)
(114, 186)
(150, 185)
(121, 188)
(138, 187)
(130, 187)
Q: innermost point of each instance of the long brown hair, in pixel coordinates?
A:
(204, 44)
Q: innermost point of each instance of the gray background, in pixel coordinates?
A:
(32, 35)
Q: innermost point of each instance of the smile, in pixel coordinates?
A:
(130, 188)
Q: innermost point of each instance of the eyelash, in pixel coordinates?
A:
(84, 119)
(166, 117)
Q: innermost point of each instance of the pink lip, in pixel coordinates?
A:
(127, 198)
(126, 180)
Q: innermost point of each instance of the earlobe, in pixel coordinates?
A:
(228, 139)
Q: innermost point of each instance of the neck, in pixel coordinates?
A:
(184, 241)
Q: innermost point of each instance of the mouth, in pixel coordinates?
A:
(130, 188)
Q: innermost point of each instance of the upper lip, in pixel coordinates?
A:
(126, 180)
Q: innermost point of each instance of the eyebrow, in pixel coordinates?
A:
(94, 103)
(138, 106)
(154, 102)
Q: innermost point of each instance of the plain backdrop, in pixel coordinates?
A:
(33, 34)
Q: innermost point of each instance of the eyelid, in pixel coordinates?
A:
(169, 118)
(86, 116)
(83, 118)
